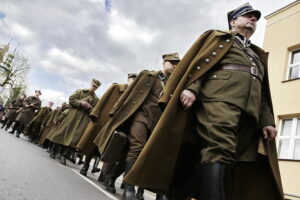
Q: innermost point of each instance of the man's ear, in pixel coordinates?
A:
(232, 22)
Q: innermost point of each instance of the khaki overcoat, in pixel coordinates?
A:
(155, 167)
(59, 116)
(12, 113)
(74, 124)
(47, 124)
(99, 117)
(126, 106)
(27, 114)
(38, 119)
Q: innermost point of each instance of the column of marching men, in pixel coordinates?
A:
(201, 127)
(88, 127)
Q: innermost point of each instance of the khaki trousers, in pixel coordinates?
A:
(225, 131)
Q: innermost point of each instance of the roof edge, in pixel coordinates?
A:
(282, 9)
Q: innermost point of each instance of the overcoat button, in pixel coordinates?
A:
(190, 75)
(253, 64)
(148, 84)
(133, 102)
(221, 46)
(141, 91)
(198, 68)
(214, 53)
(206, 60)
(227, 40)
(171, 95)
(215, 76)
(251, 58)
(254, 78)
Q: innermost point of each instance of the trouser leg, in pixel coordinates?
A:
(137, 138)
(217, 125)
(8, 124)
(114, 172)
(106, 169)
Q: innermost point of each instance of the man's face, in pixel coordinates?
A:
(94, 87)
(246, 21)
(169, 66)
(130, 80)
(37, 94)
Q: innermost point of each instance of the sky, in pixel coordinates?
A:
(70, 42)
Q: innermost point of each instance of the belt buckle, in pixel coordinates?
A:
(253, 71)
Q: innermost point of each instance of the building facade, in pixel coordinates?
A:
(282, 41)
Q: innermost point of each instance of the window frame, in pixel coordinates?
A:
(292, 138)
(291, 65)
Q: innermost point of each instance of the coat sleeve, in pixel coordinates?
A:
(74, 99)
(37, 105)
(266, 117)
(195, 87)
(124, 96)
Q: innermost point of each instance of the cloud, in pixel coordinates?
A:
(127, 30)
(20, 31)
(57, 97)
(69, 43)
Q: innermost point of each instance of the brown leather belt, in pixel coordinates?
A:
(252, 70)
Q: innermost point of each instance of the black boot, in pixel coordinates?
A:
(63, 160)
(129, 190)
(95, 166)
(109, 183)
(161, 197)
(86, 166)
(14, 129)
(18, 133)
(66, 152)
(101, 177)
(8, 125)
(140, 194)
(122, 186)
(211, 181)
(53, 151)
(3, 123)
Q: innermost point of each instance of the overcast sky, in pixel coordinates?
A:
(70, 42)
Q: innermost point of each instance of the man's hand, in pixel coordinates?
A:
(269, 132)
(85, 105)
(187, 98)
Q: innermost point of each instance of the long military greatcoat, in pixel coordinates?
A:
(35, 124)
(58, 117)
(155, 167)
(12, 113)
(73, 126)
(126, 106)
(47, 124)
(27, 114)
(100, 117)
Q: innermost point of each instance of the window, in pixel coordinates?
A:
(288, 141)
(294, 65)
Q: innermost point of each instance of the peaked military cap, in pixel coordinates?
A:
(171, 56)
(242, 10)
(96, 82)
